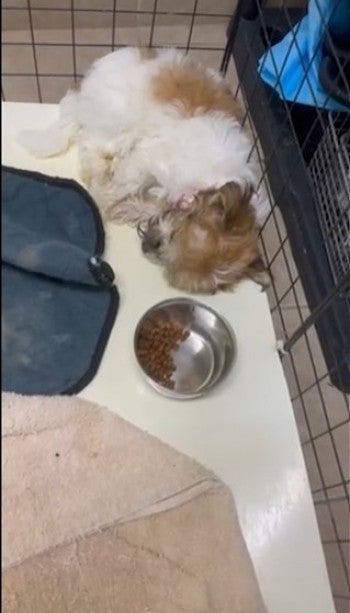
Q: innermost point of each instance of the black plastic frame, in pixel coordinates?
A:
(290, 183)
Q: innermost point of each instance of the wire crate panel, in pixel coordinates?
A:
(330, 173)
(293, 137)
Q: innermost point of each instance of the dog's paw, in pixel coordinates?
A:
(44, 143)
(31, 142)
(263, 279)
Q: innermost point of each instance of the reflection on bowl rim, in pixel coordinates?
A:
(170, 393)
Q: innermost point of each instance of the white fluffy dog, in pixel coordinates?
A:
(160, 144)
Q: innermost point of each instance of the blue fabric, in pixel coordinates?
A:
(285, 65)
(56, 312)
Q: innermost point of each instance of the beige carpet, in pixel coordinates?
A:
(100, 517)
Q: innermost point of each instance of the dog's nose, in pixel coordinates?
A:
(150, 245)
(145, 247)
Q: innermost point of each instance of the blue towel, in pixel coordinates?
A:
(59, 302)
(292, 66)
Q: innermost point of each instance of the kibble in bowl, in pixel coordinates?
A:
(183, 347)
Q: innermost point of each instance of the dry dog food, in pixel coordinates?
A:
(158, 340)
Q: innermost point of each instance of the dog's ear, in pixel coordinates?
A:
(234, 191)
(226, 203)
(191, 280)
(258, 272)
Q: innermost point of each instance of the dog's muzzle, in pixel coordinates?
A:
(150, 237)
(150, 246)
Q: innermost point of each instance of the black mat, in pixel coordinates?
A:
(59, 301)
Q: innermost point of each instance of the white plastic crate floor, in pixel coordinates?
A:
(245, 431)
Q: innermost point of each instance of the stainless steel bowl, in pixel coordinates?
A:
(204, 358)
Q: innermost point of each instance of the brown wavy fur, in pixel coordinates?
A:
(216, 244)
(193, 92)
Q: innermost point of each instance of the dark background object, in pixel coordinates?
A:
(334, 71)
(290, 135)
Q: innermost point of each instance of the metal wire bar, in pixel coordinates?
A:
(114, 23)
(122, 11)
(73, 41)
(32, 38)
(341, 287)
(193, 16)
(335, 499)
(154, 15)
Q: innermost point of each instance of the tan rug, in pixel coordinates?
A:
(100, 517)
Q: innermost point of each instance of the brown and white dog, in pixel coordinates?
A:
(161, 145)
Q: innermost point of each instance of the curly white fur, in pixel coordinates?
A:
(133, 148)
